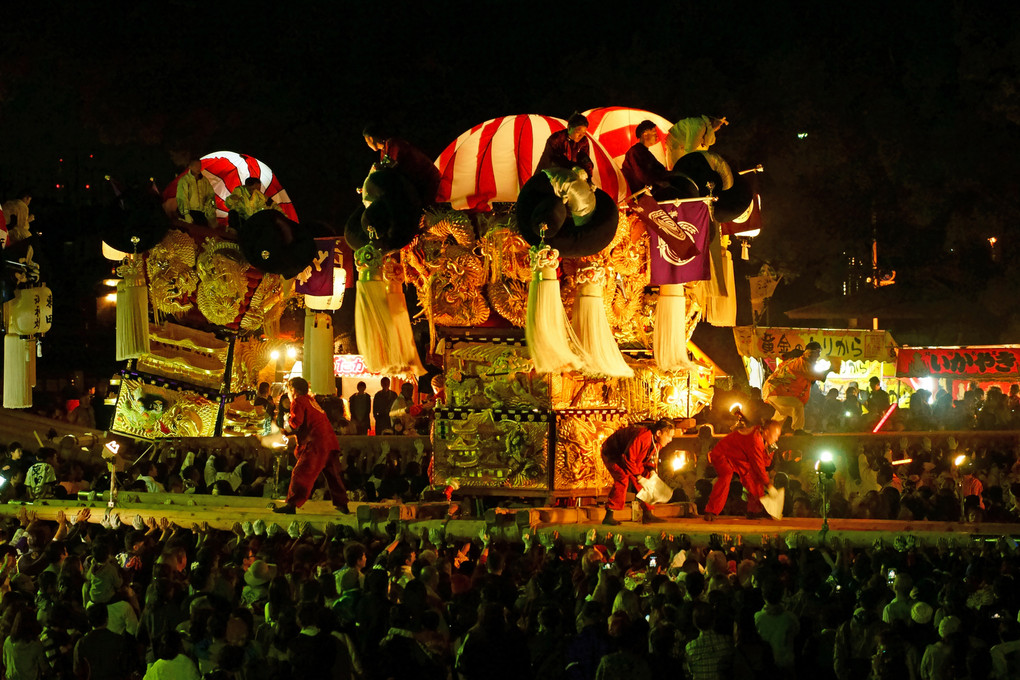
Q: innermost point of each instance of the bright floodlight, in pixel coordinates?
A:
(274, 355)
(822, 365)
(291, 352)
(825, 456)
(959, 460)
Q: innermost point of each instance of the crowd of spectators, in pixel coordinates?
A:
(372, 473)
(130, 597)
(852, 410)
(978, 409)
(900, 478)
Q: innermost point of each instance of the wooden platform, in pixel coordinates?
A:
(507, 523)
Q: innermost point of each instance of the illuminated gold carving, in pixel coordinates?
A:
(223, 284)
(172, 278)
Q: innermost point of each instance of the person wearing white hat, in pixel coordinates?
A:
(256, 582)
(935, 662)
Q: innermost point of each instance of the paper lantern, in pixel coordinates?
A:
(335, 299)
(31, 311)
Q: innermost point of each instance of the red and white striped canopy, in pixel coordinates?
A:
(227, 170)
(491, 162)
(614, 127)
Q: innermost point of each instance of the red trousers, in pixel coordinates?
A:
(725, 468)
(311, 461)
(621, 481)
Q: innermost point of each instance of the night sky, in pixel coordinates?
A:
(911, 115)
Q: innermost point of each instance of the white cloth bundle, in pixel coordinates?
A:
(573, 188)
(773, 501)
(654, 490)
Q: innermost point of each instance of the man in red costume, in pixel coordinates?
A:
(743, 452)
(318, 450)
(629, 453)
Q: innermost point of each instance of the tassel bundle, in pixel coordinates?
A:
(17, 365)
(406, 350)
(591, 325)
(669, 340)
(720, 296)
(382, 324)
(317, 366)
(132, 310)
(551, 341)
(372, 328)
(33, 352)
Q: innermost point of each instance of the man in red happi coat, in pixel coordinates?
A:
(629, 453)
(318, 450)
(743, 452)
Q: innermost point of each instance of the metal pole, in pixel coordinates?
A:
(225, 389)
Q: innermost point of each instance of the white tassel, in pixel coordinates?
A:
(373, 324)
(318, 357)
(33, 352)
(591, 325)
(406, 350)
(551, 341)
(132, 311)
(17, 363)
(669, 339)
(720, 289)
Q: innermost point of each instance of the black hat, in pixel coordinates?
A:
(135, 221)
(273, 243)
(392, 218)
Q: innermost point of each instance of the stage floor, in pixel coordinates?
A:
(510, 523)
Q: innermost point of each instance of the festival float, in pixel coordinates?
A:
(560, 313)
(559, 309)
(199, 308)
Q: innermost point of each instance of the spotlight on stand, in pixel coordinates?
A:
(825, 465)
(735, 410)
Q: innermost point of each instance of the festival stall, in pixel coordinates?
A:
(956, 367)
(861, 354)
